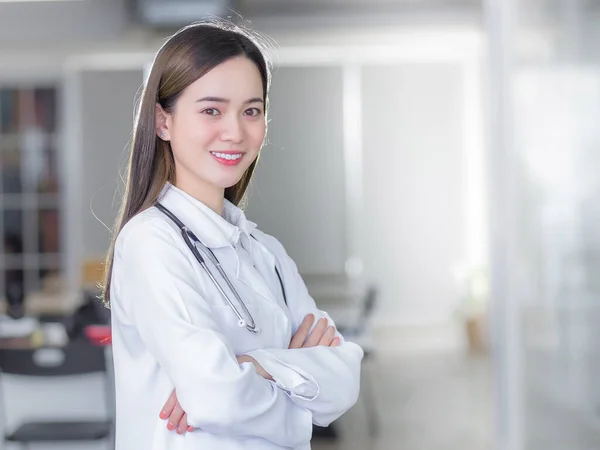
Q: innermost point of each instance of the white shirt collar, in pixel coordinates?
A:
(211, 228)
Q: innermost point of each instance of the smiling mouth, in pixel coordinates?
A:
(228, 158)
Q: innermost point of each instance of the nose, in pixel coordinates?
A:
(233, 130)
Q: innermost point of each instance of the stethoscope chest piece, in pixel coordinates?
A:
(243, 324)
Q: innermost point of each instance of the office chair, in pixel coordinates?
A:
(76, 358)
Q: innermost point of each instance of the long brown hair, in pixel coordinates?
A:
(184, 57)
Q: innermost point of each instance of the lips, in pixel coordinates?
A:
(228, 158)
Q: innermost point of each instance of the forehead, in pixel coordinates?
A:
(235, 79)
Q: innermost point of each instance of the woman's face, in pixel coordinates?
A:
(217, 127)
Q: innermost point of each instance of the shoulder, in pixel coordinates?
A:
(149, 228)
(270, 242)
(276, 248)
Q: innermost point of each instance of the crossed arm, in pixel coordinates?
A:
(322, 335)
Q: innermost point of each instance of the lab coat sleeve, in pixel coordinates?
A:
(335, 371)
(155, 282)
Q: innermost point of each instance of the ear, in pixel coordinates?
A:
(162, 129)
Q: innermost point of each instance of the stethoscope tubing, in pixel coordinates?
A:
(194, 243)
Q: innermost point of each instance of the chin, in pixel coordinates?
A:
(228, 182)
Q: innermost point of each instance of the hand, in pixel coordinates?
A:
(320, 335)
(259, 369)
(176, 415)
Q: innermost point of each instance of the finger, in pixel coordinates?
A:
(183, 425)
(168, 408)
(336, 342)
(328, 336)
(302, 331)
(316, 334)
(175, 417)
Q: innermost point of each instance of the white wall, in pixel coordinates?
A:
(418, 131)
(298, 193)
(107, 119)
(414, 204)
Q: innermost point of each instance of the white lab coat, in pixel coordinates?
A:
(173, 330)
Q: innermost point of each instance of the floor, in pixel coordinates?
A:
(426, 402)
(443, 401)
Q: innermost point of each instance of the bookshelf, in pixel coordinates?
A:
(30, 189)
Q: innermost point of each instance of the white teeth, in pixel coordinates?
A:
(227, 155)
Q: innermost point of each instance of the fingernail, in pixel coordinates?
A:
(170, 426)
(163, 415)
(190, 429)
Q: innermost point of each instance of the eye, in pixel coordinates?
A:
(211, 112)
(252, 112)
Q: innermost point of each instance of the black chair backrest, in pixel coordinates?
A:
(370, 300)
(77, 357)
(367, 307)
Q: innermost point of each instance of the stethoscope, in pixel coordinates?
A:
(194, 244)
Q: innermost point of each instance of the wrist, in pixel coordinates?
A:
(259, 369)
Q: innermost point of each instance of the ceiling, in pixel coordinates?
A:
(269, 7)
(313, 13)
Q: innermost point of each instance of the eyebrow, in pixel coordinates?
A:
(224, 100)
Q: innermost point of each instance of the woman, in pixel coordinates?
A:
(195, 367)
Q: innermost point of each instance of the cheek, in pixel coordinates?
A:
(202, 133)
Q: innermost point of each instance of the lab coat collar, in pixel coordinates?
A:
(216, 231)
(213, 230)
(234, 215)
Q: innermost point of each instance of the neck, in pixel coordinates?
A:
(211, 196)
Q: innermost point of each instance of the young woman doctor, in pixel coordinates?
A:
(231, 353)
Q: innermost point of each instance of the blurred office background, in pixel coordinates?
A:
(431, 167)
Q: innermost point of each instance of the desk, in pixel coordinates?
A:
(30, 333)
